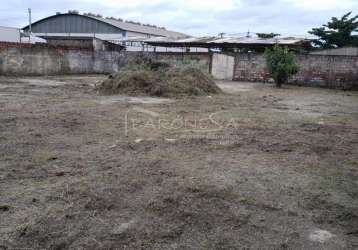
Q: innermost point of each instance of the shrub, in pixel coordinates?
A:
(281, 64)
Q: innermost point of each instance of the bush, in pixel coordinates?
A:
(281, 64)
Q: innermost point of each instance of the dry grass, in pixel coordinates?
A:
(280, 172)
(160, 81)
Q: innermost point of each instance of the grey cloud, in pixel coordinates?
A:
(254, 15)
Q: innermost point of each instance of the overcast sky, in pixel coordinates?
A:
(194, 17)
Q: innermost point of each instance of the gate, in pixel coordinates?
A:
(222, 67)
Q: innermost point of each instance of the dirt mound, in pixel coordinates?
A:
(161, 80)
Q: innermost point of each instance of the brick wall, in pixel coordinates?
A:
(199, 59)
(10, 45)
(5, 45)
(315, 70)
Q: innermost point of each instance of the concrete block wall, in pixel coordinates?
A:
(19, 59)
(315, 70)
(50, 61)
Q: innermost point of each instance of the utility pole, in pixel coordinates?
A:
(30, 30)
(221, 34)
(248, 34)
(30, 20)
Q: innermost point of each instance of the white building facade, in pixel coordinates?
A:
(8, 34)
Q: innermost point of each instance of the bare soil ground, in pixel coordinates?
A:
(254, 168)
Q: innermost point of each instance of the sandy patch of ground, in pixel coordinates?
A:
(105, 100)
(235, 87)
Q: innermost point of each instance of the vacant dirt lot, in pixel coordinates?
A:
(257, 167)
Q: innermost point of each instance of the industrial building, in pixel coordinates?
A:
(8, 34)
(88, 25)
(69, 29)
(15, 35)
(73, 28)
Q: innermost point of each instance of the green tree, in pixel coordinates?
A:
(267, 35)
(337, 33)
(281, 64)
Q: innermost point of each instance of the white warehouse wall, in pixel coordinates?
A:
(8, 34)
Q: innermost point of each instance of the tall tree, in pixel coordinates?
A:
(337, 33)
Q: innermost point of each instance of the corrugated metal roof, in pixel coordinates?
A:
(231, 40)
(159, 39)
(140, 28)
(204, 39)
(256, 40)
